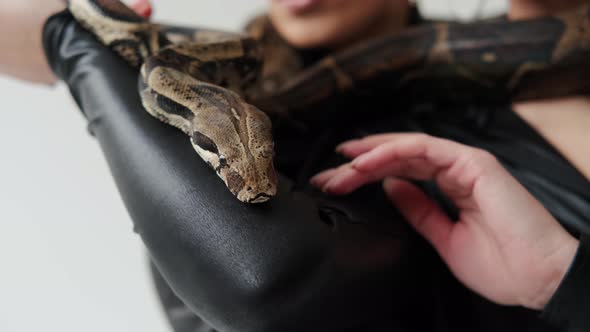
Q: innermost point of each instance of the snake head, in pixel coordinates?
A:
(232, 136)
(239, 147)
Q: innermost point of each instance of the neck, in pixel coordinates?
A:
(529, 9)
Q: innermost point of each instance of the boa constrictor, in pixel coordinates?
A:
(206, 83)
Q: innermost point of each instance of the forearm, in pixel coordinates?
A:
(277, 267)
(22, 52)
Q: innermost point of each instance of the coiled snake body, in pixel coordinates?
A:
(206, 83)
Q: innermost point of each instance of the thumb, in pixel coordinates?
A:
(425, 216)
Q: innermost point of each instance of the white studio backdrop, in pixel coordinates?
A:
(70, 261)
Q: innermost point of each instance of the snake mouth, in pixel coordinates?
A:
(260, 198)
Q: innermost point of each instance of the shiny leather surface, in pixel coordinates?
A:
(283, 266)
(304, 262)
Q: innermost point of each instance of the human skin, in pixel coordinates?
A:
(331, 23)
(526, 252)
(505, 245)
(337, 24)
(22, 55)
(22, 51)
(562, 122)
(525, 9)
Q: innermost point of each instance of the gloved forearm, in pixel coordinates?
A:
(276, 267)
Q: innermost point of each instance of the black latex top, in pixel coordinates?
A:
(304, 262)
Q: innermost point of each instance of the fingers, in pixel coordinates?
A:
(356, 147)
(141, 7)
(421, 212)
(345, 179)
(401, 155)
(349, 177)
(434, 151)
(382, 148)
(455, 167)
(321, 179)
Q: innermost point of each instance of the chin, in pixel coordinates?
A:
(307, 36)
(331, 23)
(321, 31)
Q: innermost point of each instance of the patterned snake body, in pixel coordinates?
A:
(206, 83)
(181, 85)
(495, 59)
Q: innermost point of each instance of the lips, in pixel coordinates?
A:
(298, 6)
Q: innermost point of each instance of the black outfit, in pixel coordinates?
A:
(306, 261)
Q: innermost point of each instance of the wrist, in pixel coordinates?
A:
(556, 267)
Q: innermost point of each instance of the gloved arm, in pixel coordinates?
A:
(276, 267)
(569, 308)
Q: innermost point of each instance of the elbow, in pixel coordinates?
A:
(320, 288)
(258, 287)
(283, 291)
(292, 275)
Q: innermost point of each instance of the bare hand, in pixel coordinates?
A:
(505, 245)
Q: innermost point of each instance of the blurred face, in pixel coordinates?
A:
(335, 23)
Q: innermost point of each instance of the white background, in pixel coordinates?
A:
(69, 259)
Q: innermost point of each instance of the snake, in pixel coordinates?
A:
(219, 88)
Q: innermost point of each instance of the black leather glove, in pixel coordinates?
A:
(291, 265)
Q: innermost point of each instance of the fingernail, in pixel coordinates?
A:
(342, 146)
(341, 149)
(316, 180)
(146, 12)
(313, 181)
(388, 186)
(327, 189)
(387, 183)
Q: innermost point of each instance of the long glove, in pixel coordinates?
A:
(283, 266)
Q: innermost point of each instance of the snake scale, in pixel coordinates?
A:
(211, 84)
